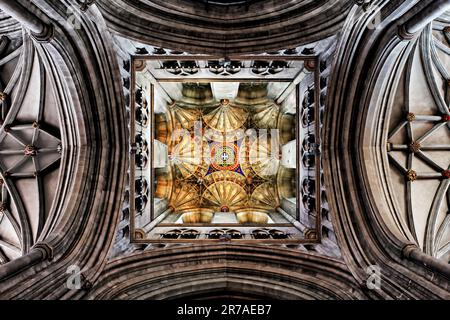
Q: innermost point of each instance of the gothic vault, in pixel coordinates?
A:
(207, 149)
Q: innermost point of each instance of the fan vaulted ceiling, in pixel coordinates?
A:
(224, 145)
(90, 89)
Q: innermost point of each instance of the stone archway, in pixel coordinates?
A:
(183, 272)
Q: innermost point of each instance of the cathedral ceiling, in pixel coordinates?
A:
(222, 29)
(230, 175)
(224, 144)
(30, 146)
(374, 181)
(394, 154)
(419, 144)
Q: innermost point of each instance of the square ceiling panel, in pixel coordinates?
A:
(216, 149)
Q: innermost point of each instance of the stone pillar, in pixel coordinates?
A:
(424, 17)
(414, 253)
(39, 30)
(288, 217)
(149, 227)
(40, 252)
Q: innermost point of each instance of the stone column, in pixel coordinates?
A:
(414, 253)
(39, 30)
(149, 227)
(40, 252)
(424, 17)
(292, 220)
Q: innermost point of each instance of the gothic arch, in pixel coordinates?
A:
(235, 268)
(93, 134)
(370, 62)
(192, 26)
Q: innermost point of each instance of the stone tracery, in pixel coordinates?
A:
(406, 262)
(418, 146)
